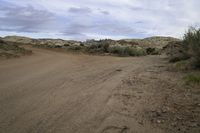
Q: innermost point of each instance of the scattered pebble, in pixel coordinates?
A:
(158, 121)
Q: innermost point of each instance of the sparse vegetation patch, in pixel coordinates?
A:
(127, 51)
(9, 50)
(191, 43)
(102, 47)
(188, 49)
(193, 78)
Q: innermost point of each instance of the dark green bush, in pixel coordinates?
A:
(66, 45)
(136, 51)
(116, 50)
(183, 65)
(191, 43)
(193, 78)
(176, 51)
(105, 47)
(82, 44)
(153, 51)
(127, 51)
(1, 41)
(99, 47)
(94, 49)
(75, 47)
(57, 46)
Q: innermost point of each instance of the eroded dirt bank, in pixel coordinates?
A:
(52, 92)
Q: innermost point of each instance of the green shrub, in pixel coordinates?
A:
(66, 45)
(191, 43)
(75, 47)
(193, 78)
(127, 51)
(176, 51)
(183, 65)
(99, 47)
(43, 46)
(105, 47)
(136, 51)
(57, 46)
(11, 50)
(117, 50)
(82, 44)
(153, 51)
(94, 49)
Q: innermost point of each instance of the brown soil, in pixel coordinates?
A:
(53, 92)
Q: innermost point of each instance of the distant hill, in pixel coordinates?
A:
(153, 42)
(18, 39)
(27, 40)
(150, 42)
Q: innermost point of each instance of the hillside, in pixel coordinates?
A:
(8, 50)
(18, 39)
(153, 42)
(31, 41)
(125, 47)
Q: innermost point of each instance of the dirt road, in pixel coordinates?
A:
(52, 92)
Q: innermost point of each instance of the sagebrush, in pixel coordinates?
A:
(191, 43)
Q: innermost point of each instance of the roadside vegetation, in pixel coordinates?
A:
(127, 51)
(123, 47)
(191, 44)
(188, 49)
(8, 50)
(192, 78)
(185, 55)
(102, 47)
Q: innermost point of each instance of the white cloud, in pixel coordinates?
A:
(110, 18)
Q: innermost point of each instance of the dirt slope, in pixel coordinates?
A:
(8, 50)
(51, 92)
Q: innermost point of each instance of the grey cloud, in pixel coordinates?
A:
(100, 28)
(73, 34)
(85, 10)
(105, 12)
(78, 10)
(139, 22)
(137, 8)
(23, 19)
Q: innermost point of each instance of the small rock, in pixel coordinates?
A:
(158, 121)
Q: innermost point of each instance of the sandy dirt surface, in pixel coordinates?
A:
(52, 92)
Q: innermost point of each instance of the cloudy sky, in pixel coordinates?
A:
(86, 19)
